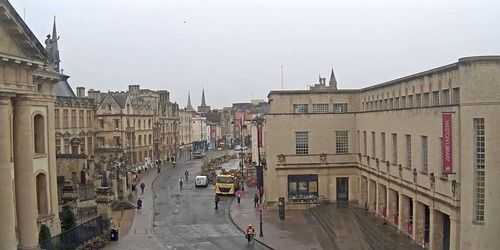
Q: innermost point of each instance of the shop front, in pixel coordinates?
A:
(303, 188)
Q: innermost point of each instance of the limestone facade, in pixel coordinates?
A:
(387, 147)
(185, 135)
(27, 138)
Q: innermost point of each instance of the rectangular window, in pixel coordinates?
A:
(480, 169)
(320, 108)
(140, 140)
(58, 146)
(382, 146)
(89, 119)
(116, 141)
(395, 148)
(73, 118)
(100, 142)
(408, 151)
(424, 154)
(425, 102)
(410, 101)
(101, 123)
(81, 118)
(456, 96)
(418, 100)
(403, 102)
(340, 107)
(300, 108)
(303, 188)
(117, 123)
(446, 97)
(301, 143)
(89, 145)
(65, 118)
(364, 143)
(57, 119)
(373, 145)
(66, 146)
(341, 142)
(391, 104)
(435, 98)
(396, 103)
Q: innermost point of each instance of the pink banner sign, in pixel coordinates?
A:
(447, 144)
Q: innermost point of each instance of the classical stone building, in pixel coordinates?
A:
(27, 138)
(418, 150)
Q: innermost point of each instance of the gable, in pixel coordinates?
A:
(106, 103)
(16, 39)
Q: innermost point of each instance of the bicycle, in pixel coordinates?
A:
(251, 239)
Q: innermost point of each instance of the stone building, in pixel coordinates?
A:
(419, 151)
(27, 151)
(185, 129)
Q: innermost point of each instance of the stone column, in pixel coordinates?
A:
(104, 200)
(52, 178)
(436, 229)
(404, 204)
(418, 221)
(454, 233)
(26, 201)
(7, 230)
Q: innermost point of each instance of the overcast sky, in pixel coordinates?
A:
(234, 48)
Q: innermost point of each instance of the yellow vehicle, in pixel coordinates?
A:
(226, 184)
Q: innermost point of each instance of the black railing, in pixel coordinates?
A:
(76, 236)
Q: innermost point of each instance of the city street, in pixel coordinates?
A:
(186, 219)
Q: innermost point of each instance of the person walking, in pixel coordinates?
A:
(238, 196)
(186, 173)
(143, 186)
(181, 183)
(216, 200)
(139, 204)
(256, 201)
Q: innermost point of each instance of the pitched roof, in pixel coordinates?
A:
(120, 98)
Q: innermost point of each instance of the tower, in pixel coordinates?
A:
(189, 107)
(333, 80)
(203, 108)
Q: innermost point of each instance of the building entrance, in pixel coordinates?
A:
(342, 189)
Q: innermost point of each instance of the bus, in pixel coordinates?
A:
(226, 184)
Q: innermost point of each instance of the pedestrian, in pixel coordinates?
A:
(181, 183)
(238, 196)
(142, 187)
(186, 173)
(217, 199)
(256, 201)
(139, 204)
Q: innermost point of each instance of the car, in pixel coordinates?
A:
(237, 147)
(201, 181)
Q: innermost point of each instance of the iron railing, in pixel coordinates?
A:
(76, 236)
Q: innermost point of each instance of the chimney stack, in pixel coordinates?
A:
(80, 91)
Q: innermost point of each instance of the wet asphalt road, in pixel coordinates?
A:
(186, 219)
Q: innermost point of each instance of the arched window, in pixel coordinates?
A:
(39, 134)
(41, 194)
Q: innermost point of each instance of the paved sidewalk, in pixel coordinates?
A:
(140, 235)
(299, 230)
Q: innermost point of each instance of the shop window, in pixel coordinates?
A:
(303, 188)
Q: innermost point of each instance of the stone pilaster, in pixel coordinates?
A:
(104, 200)
(27, 211)
(53, 199)
(7, 230)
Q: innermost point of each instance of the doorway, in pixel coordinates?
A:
(342, 189)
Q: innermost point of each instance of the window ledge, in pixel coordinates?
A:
(38, 155)
(423, 172)
(443, 178)
(480, 223)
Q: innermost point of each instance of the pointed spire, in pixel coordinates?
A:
(189, 107)
(55, 47)
(333, 80)
(203, 104)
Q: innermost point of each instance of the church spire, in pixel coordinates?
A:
(55, 47)
(189, 107)
(333, 80)
(203, 104)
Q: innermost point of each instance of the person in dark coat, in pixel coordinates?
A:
(217, 199)
(256, 201)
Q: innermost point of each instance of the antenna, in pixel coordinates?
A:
(281, 76)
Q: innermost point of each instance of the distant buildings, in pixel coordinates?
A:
(418, 150)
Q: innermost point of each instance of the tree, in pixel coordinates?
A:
(44, 234)
(69, 220)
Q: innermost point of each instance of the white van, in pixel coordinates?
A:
(201, 180)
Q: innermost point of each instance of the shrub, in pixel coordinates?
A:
(69, 220)
(44, 234)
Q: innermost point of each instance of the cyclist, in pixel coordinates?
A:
(186, 173)
(250, 232)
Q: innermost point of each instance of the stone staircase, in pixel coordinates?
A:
(125, 205)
